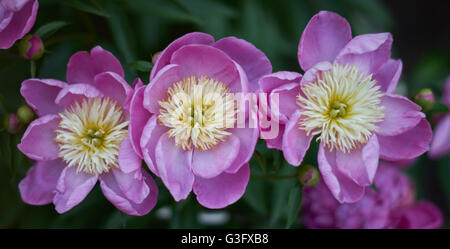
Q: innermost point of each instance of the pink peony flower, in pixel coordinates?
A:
(183, 124)
(391, 205)
(16, 19)
(345, 99)
(81, 136)
(440, 145)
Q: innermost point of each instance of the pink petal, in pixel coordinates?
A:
(76, 93)
(38, 186)
(400, 115)
(38, 141)
(295, 141)
(41, 95)
(343, 188)
(150, 136)
(287, 94)
(368, 52)
(441, 138)
(132, 185)
(252, 60)
(407, 145)
(314, 71)
(129, 161)
(138, 118)
(191, 38)
(360, 165)
(157, 89)
(115, 87)
(388, 75)
(203, 60)
(222, 190)
(84, 66)
(269, 82)
(248, 137)
(211, 163)
(446, 94)
(324, 36)
(14, 5)
(173, 167)
(422, 215)
(20, 24)
(114, 194)
(72, 188)
(276, 143)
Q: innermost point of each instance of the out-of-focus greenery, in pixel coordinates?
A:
(134, 30)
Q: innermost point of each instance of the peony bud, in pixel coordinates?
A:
(31, 47)
(12, 124)
(308, 175)
(24, 114)
(155, 57)
(425, 98)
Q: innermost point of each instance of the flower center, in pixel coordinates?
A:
(198, 112)
(342, 106)
(89, 135)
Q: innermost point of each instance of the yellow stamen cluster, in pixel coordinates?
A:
(198, 112)
(342, 106)
(89, 135)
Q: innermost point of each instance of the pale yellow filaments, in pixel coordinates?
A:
(342, 106)
(198, 112)
(90, 133)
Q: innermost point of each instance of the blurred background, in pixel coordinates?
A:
(134, 30)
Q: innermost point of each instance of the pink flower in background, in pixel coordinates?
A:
(440, 145)
(81, 136)
(345, 99)
(391, 205)
(183, 124)
(16, 19)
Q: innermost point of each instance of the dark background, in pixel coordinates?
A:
(136, 29)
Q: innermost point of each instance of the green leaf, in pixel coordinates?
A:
(141, 66)
(33, 69)
(122, 32)
(50, 28)
(294, 204)
(438, 107)
(83, 6)
(261, 161)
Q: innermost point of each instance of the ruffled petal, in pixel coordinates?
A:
(252, 60)
(115, 87)
(222, 190)
(323, 38)
(20, 24)
(407, 145)
(368, 52)
(84, 66)
(38, 141)
(400, 115)
(41, 95)
(211, 163)
(343, 188)
(129, 161)
(173, 167)
(76, 93)
(114, 194)
(191, 38)
(295, 141)
(150, 137)
(157, 89)
(138, 118)
(388, 75)
(38, 186)
(360, 165)
(72, 188)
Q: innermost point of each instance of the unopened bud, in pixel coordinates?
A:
(24, 114)
(425, 98)
(12, 124)
(308, 175)
(31, 47)
(155, 57)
